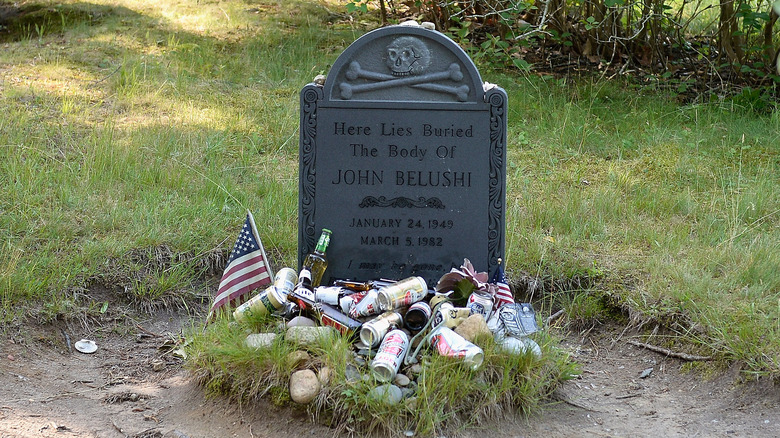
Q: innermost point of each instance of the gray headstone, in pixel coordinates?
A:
(402, 157)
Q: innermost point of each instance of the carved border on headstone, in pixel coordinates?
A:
(310, 97)
(401, 202)
(497, 100)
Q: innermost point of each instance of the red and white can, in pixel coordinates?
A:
(367, 306)
(390, 356)
(448, 343)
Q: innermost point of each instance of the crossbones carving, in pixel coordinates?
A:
(407, 60)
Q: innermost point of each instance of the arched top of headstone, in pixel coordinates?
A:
(403, 64)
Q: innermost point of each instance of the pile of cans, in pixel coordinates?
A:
(385, 318)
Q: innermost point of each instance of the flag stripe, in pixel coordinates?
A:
(240, 283)
(238, 273)
(234, 295)
(247, 268)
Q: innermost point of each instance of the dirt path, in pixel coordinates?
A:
(47, 391)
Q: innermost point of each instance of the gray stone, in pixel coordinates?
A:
(401, 380)
(415, 369)
(304, 386)
(325, 375)
(301, 321)
(308, 336)
(388, 394)
(260, 340)
(351, 373)
(297, 359)
(403, 160)
(473, 327)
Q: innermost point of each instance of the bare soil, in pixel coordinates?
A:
(131, 387)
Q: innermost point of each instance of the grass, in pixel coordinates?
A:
(136, 134)
(448, 397)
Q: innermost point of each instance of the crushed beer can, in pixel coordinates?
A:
(347, 301)
(367, 306)
(448, 343)
(391, 354)
(518, 319)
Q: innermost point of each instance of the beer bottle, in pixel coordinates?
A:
(316, 262)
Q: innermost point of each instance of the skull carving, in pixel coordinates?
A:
(407, 56)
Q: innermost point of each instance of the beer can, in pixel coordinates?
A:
(367, 306)
(328, 294)
(402, 293)
(266, 302)
(449, 315)
(518, 319)
(346, 302)
(417, 316)
(448, 343)
(285, 281)
(373, 331)
(391, 354)
(480, 303)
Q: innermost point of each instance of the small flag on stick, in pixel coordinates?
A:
(503, 292)
(247, 268)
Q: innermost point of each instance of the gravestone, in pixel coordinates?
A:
(402, 157)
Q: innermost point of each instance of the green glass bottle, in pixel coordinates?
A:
(316, 261)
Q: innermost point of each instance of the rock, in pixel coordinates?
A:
(388, 394)
(304, 386)
(325, 374)
(308, 336)
(297, 359)
(301, 321)
(407, 392)
(351, 373)
(473, 327)
(401, 380)
(519, 346)
(411, 403)
(158, 365)
(260, 340)
(415, 369)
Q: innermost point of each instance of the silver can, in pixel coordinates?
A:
(448, 343)
(402, 293)
(480, 303)
(285, 281)
(367, 306)
(391, 354)
(372, 332)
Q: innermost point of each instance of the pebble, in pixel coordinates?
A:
(297, 359)
(325, 374)
(415, 369)
(388, 394)
(158, 365)
(401, 380)
(519, 346)
(304, 386)
(308, 336)
(260, 341)
(301, 321)
(351, 373)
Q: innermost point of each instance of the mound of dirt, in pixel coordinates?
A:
(135, 386)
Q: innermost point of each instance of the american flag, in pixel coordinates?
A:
(247, 268)
(503, 294)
